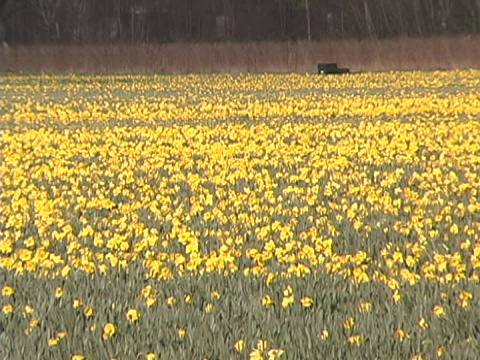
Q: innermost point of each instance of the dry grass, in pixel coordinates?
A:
(369, 55)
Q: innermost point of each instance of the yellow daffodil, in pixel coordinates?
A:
(267, 301)
(439, 311)
(8, 291)
(109, 330)
(401, 334)
(239, 345)
(133, 315)
(78, 357)
(59, 292)
(89, 311)
(53, 342)
(356, 340)
(306, 302)
(8, 309)
(182, 333)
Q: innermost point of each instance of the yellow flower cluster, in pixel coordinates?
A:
(261, 352)
(165, 99)
(283, 191)
(268, 195)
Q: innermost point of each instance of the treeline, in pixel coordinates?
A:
(160, 21)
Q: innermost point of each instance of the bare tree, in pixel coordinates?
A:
(445, 14)
(137, 23)
(307, 13)
(229, 11)
(78, 12)
(476, 6)
(48, 11)
(368, 19)
(473, 9)
(79, 21)
(3, 4)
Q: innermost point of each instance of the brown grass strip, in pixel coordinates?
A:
(439, 53)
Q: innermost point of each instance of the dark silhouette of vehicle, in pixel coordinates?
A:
(331, 68)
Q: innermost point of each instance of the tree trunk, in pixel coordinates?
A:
(477, 18)
(3, 4)
(368, 19)
(307, 11)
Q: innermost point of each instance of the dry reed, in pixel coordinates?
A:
(282, 57)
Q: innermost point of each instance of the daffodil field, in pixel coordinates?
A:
(240, 216)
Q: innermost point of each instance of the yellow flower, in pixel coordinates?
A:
(77, 303)
(267, 301)
(288, 291)
(109, 330)
(8, 309)
(30, 242)
(78, 357)
(147, 291)
(454, 229)
(29, 309)
(439, 311)
(306, 302)
(89, 311)
(151, 356)
(275, 354)
(418, 357)
(288, 301)
(256, 355)
(423, 323)
(34, 322)
(59, 292)
(262, 345)
(151, 301)
(270, 278)
(240, 345)
(188, 299)
(53, 342)
(401, 334)
(66, 271)
(393, 284)
(182, 333)
(365, 307)
(62, 335)
(133, 315)
(209, 308)
(465, 244)
(349, 323)
(324, 335)
(215, 295)
(396, 297)
(8, 291)
(171, 301)
(465, 298)
(258, 352)
(356, 340)
(441, 351)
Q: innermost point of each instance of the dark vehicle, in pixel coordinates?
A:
(331, 68)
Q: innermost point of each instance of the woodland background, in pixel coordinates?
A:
(148, 21)
(237, 35)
